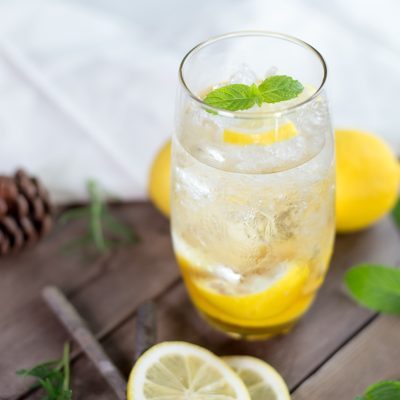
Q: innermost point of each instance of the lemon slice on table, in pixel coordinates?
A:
(262, 381)
(183, 371)
(284, 132)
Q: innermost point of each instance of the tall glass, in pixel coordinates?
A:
(252, 191)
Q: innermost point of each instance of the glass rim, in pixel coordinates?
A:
(260, 33)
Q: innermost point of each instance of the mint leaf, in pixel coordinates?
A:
(41, 370)
(234, 97)
(53, 377)
(375, 286)
(256, 94)
(103, 231)
(242, 97)
(280, 88)
(385, 390)
(396, 213)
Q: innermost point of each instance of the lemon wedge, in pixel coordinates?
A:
(284, 300)
(284, 132)
(262, 381)
(183, 371)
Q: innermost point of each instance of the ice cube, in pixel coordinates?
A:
(270, 72)
(244, 75)
(193, 184)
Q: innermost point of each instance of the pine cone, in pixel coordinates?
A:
(25, 212)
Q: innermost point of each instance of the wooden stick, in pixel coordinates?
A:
(77, 327)
(146, 330)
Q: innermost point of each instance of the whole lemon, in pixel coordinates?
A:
(367, 179)
(160, 179)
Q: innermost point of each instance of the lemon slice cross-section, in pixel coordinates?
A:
(262, 381)
(284, 132)
(183, 371)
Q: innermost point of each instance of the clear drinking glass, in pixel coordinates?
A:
(252, 191)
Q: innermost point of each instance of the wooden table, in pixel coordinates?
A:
(335, 352)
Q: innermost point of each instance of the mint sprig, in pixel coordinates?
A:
(385, 390)
(103, 231)
(239, 96)
(52, 376)
(376, 287)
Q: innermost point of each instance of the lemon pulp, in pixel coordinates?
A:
(262, 381)
(284, 132)
(284, 301)
(183, 371)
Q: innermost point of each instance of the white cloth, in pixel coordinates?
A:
(87, 88)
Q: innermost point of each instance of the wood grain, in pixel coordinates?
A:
(103, 291)
(333, 319)
(81, 334)
(23, 275)
(371, 356)
(107, 292)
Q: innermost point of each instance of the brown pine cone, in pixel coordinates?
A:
(25, 211)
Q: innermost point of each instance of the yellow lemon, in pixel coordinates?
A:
(281, 302)
(184, 371)
(284, 132)
(262, 381)
(367, 179)
(160, 179)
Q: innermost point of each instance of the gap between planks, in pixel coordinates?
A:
(329, 356)
(370, 357)
(104, 333)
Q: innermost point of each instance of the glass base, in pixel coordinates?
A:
(248, 333)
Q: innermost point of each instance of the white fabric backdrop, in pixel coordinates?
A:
(87, 87)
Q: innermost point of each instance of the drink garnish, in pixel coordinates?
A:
(239, 96)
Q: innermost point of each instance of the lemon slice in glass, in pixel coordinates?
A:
(282, 301)
(183, 371)
(262, 381)
(284, 132)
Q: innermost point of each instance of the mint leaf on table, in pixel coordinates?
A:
(52, 376)
(375, 286)
(385, 390)
(103, 231)
(280, 88)
(234, 97)
(239, 96)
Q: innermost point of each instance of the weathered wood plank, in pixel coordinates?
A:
(22, 275)
(105, 292)
(102, 292)
(373, 355)
(24, 322)
(333, 319)
(85, 376)
(134, 274)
